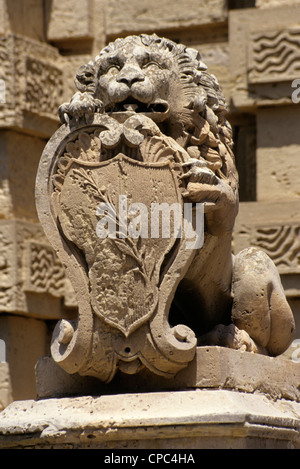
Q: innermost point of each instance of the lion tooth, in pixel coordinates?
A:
(130, 107)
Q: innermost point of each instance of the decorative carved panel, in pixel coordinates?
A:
(43, 272)
(34, 84)
(274, 56)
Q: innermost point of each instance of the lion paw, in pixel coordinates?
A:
(81, 105)
(199, 172)
(229, 336)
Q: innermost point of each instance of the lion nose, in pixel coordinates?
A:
(130, 75)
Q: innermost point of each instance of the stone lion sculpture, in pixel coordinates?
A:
(234, 301)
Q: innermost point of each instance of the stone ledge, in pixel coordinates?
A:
(183, 419)
(212, 367)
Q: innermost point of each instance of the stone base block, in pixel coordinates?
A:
(25, 340)
(212, 368)
(194, 419)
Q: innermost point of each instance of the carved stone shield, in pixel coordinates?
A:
(109, 200)
(99, 210)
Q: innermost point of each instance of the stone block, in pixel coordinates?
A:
(20, 156)
(32, 281)
(26, 340)
(275, 3)
(69, 20)
(4, 23)
(24, 18)
(263, 47)
(277, 156)
(213, 367)
(123, 17)
(34, 85)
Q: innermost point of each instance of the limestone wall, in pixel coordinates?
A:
(253, 51)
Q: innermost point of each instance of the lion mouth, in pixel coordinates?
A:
(157, 110)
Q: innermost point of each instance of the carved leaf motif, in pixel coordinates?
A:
(126, 245)
(127, 249)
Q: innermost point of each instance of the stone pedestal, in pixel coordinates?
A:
(198, 419)
(224, 399)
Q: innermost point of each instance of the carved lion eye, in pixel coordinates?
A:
(108, 67)
(151, 64)
(113, 67)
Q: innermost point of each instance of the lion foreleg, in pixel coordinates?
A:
(217, 195)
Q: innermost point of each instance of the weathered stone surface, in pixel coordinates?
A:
(69, 20)
(24, 18)
(32, 284)
(212, 368)
(274, 228)
(19, 162)
(123, 17)
(26, 340)
(4, 18)
(34, 87)
(178, 420)
(264, 47)
(275, 3)
(69, 63)
(277, 155)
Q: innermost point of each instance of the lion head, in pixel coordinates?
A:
(167, 82)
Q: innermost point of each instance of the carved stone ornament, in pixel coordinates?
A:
(146, 131)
